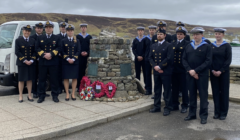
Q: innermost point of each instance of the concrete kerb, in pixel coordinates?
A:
(87, 123)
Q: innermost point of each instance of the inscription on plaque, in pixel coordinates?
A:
(98, 54)
(93, 69)
(125, 69)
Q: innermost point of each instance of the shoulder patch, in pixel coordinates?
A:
(41, 40)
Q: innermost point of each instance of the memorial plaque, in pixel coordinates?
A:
(125, 69)
(93, 69)
(98, 54)
(107, 47)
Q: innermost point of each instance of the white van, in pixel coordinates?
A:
(9, 32)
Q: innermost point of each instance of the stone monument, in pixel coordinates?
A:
(110, 60)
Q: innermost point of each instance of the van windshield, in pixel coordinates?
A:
(7, 33)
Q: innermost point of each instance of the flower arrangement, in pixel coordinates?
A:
(97, 85)
(85, 82)
(110, 87)
(87, 94)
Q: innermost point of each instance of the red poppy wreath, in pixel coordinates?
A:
(101, 85)
(85, 82)
(110, 86)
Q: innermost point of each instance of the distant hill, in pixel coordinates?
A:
(125, 27)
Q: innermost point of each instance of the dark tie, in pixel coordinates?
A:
(26, 39)
(48, 36)
(178, 42)
(70, 40)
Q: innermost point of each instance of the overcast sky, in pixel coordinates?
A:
(220, 13)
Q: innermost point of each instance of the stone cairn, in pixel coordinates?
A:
(110, 60)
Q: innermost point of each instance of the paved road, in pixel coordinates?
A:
(145, 126)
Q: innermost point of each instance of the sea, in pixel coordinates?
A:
(235, 56)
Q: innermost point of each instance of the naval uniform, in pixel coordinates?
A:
(85, 46)
(179, 76)
(174, 38)
(148, 67)
(48, 44)
(198, 58)
(139, 47)
(206, 40)
(25, 51)
(221, 60)
(70, 50)
(161, 54)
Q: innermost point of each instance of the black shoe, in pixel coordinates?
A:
(20, 101)
(66, 99)
(216, 116)
(203, 121)
(222, 118)
(153, 97)
(184, 110)
(31, 100)
(154, 110)
(166, 113)
(40, 100)
(148, 93)
(188, 118)
(175, 109)
(74, 99)
(35, 95)
(55, 99)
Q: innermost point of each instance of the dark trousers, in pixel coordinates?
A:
(53, 73)
(60, 80)
(220, 90)
(34, 82)
(179, 82)
(165, 81)
(148, 76)
(138, 66)
(202, 86)
(82, 69)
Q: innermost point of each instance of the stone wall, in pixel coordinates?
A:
(235, 74)
(111, 61)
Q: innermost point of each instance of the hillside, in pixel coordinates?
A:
(123, 26)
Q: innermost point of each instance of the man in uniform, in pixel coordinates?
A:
(197, 60)
(179, 72)
(174, 37)
(84, 39)
(39, 31)
(62, 35)
(48, 47)
(161, 59)
(139, 47)
(162, 25)
(148, 67)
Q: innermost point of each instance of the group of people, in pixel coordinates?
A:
(61, 57)
(181, 65)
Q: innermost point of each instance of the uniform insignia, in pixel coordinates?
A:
(160, 23)
(47, 22)
(165, 64)
(173, 40)
(22, 46)
(153, 50)
(155, 40)
(180, 28)
(179, 22)
(41, 40)
(54, 42)
(63, 23)
(69, 26)
(40, 24)
(28, 26)
(66, 45)
(173, 47)
(181, 47)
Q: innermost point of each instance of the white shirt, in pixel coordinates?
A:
(63, 34)
(48, 35)
(161, 42)
(38, 34)
(180, 40)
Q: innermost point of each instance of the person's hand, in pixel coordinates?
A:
(218, 73)
(26, 62)
(48, 56)
(196, 76)
(70, 61)
(84, 54)
(156, 68)
(140, 58)
(160, 71)
(192, 72)
(30, 62)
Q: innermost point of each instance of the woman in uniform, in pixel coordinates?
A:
(26, 57)
(70, 62)
(221, 60)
